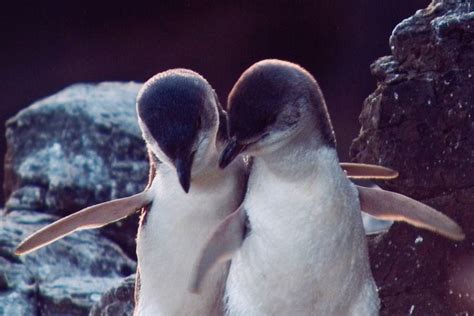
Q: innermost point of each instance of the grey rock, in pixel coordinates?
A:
(422, 111)
(64, 278)
(117, 301)
(18, 292)
(435, 37)
(73, 295)
(79, 147)
(420, 121)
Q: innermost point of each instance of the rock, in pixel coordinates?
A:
(118, 301)
(64, 278)
(72, 295)
(79, 147)
(18, 292)
(419, 118)
(416, 268)
(420, 121)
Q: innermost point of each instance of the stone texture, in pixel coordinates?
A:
(420, 121)
(78, 147)
(64, 278)
(422, 112)
(118, 301)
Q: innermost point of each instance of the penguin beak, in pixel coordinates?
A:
(183, 168)
(232, 150)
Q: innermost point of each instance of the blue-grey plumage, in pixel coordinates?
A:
(183, 159)
(177, 110)
(180, 117)
(297, 242)
(305, 251)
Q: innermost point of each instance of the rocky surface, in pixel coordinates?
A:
(64, 278)
(76, 148)
(420, 121)
(421, 114)
(117, 301)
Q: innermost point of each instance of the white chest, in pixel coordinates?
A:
(306, 253)
(168, 243)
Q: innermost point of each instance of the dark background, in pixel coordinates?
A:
(46, 47)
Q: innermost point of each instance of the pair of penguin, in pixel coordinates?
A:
(251, 208)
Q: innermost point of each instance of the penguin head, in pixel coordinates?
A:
(271, 103)
(178, 114)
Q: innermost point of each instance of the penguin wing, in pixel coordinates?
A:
(92, 217)
(224, 242)
(367, 171)
(397, 207)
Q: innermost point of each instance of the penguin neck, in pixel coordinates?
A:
(210, 168)
(205, 171)
(301, 156)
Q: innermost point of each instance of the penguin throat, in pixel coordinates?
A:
(299, 158)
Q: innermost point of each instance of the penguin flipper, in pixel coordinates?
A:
(92, 217)
(223, 243)
(367, 171)
(388, 205)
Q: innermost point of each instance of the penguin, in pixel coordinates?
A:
(184, 127)
(183, 155)
(297, 244)
(179, 114)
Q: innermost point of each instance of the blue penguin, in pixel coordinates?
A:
(188, 195)
(297, 244)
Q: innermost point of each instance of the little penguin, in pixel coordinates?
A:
(179, 114)
(184, 127)
(297, 244)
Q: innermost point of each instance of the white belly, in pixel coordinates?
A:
(306, 252)
(168, 244)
